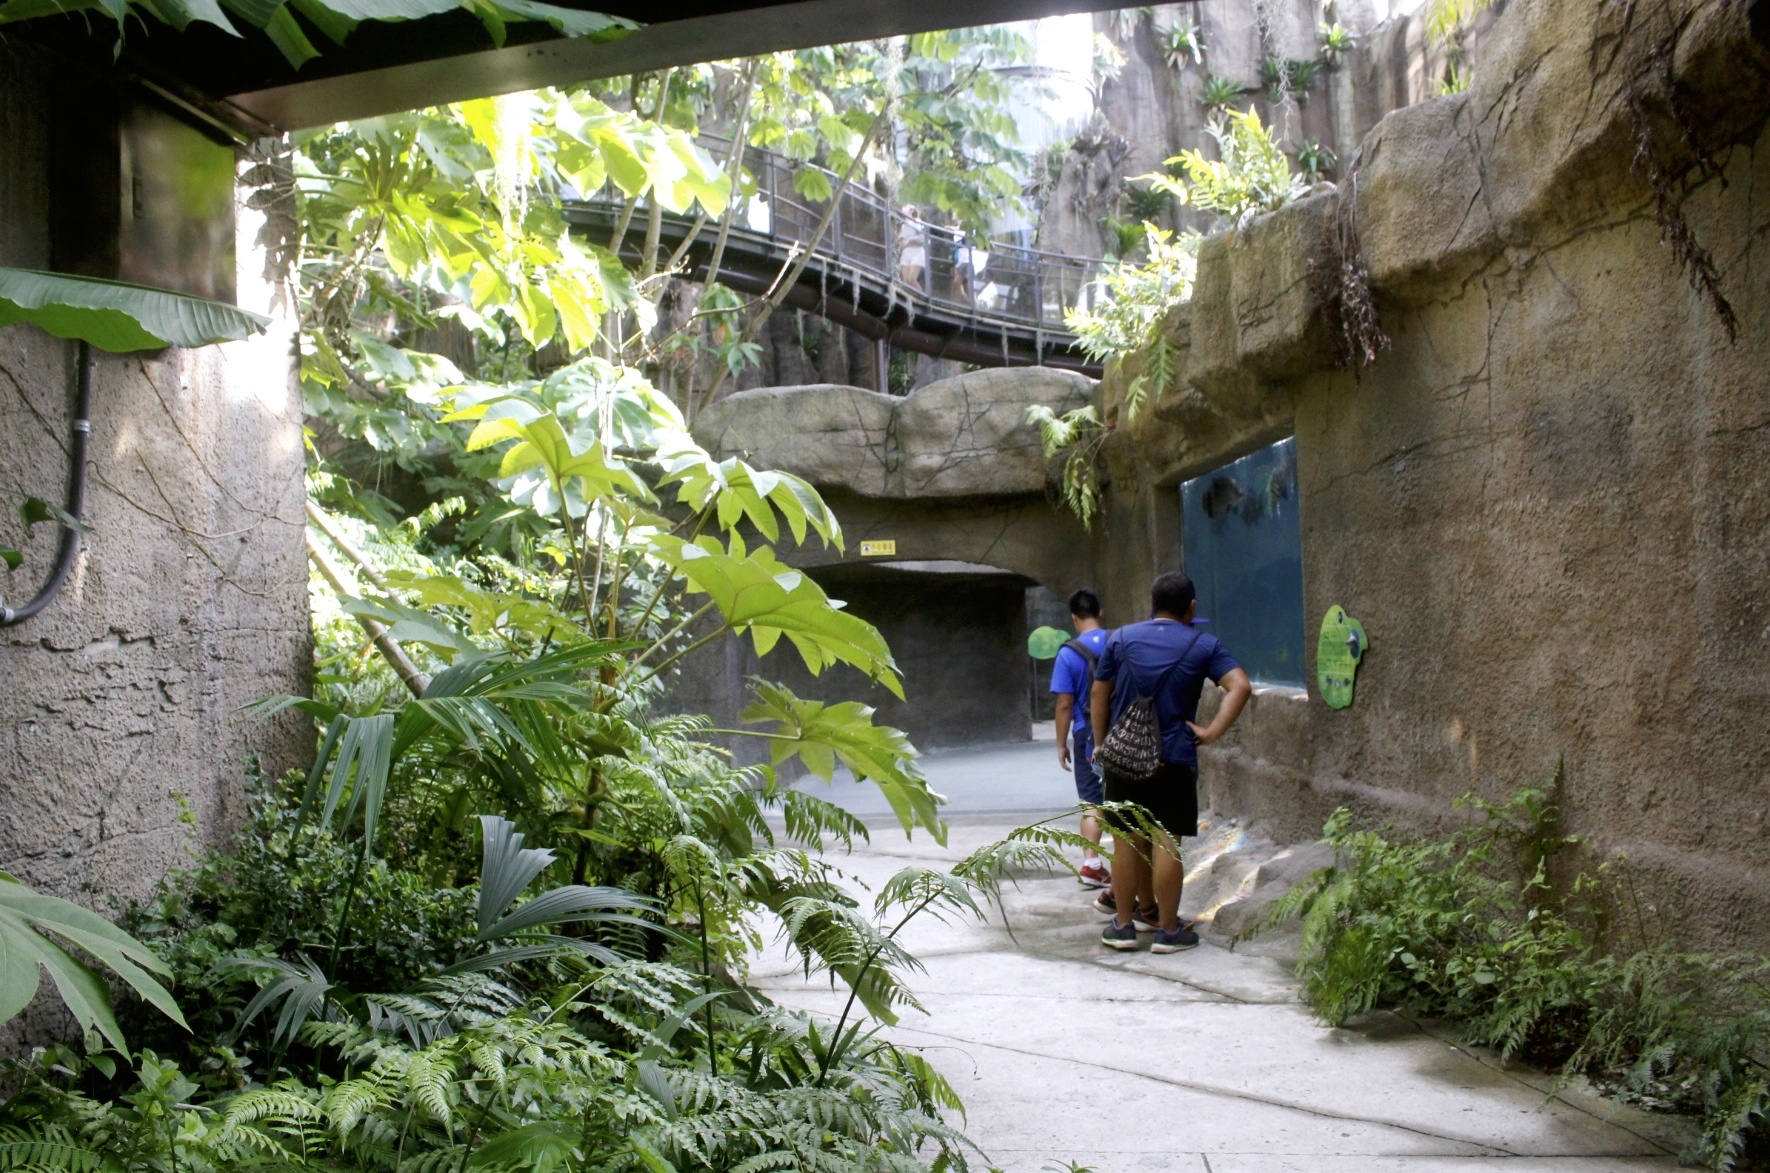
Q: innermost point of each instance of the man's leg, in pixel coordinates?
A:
(1081, 751)
(1170, 878)
(1130, 873)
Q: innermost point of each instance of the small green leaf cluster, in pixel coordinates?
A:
(1182, 41)
(1289, 77)
(1251, 174)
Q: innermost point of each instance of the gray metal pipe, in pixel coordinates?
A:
(70, 537)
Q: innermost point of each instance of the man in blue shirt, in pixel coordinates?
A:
(1071, 677)
(1169, 658)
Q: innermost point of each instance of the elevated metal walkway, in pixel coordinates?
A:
(990, 304)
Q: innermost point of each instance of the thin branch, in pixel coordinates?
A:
(620, 234)
(324, 520)
(668, 635)
(389, 647)
(733, 167)
(790, 276)
(696, 646)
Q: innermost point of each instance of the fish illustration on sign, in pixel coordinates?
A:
(1343, 644)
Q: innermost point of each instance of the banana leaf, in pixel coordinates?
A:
(117, 316)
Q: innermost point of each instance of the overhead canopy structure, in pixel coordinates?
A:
(391, 66)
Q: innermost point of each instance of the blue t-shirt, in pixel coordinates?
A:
(1134, 660)
(1070, 674)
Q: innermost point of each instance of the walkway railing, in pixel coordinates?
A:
(984, 281)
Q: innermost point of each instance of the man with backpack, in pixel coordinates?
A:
(1072, 678)
(1143, 706)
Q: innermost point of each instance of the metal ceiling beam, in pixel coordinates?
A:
(566, 61)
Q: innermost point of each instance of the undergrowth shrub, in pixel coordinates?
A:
(1471, 928)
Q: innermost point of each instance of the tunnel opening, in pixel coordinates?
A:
(958, 633)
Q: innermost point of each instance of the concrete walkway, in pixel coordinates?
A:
(1200, 1061)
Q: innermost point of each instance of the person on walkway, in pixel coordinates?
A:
(912, 248)
(1072, 678)
(1169, 659)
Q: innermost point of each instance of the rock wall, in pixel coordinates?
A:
(1152, 108)
(121, 744)
(1548, 499)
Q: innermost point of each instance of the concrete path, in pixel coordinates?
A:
(1200, 1061)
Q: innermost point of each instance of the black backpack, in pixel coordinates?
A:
(1133, 746)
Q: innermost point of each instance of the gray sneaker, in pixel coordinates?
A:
(1180, 939)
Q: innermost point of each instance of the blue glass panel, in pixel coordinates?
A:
(1243, 536)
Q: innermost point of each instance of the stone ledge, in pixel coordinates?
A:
(961, 437)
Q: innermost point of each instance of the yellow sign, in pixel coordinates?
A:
(878, 549)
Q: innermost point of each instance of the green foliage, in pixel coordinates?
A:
(1336, 42)
(1456, 927)
(335, 19)
(1130, 300)
(1081, 432)
(461, 208)
(1316, 160)
(1219, 93)
(1181, 41)
(35, 511)
(1251, 174)
(1470, 928)
(1448, 23)
(116, 316)
(1288, 78)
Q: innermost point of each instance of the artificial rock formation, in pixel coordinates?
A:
(1548, 498)
(955, 478)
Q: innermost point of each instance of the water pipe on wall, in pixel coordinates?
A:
(70, 537)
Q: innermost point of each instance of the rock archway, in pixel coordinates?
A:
(950, 516)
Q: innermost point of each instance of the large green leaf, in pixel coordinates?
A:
(822, 734)
(739, 493)
(25, 916)
(758, 593)
(118, 317)
(548, 468)
(506, 870)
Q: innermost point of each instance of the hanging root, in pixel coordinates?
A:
(1671, 171)
(1341, 283)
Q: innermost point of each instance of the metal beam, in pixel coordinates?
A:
(566, 61)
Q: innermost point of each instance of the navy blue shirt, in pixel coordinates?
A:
(1134, 660)
(1070, 674)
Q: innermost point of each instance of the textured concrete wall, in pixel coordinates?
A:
(118, 704)
(1549, 500)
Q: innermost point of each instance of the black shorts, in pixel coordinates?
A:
(1170, 796)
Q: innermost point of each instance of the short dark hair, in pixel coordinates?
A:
(1085, 604)
(1172, 592)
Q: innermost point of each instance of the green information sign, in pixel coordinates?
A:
(1045, 642)
(1343, 644)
